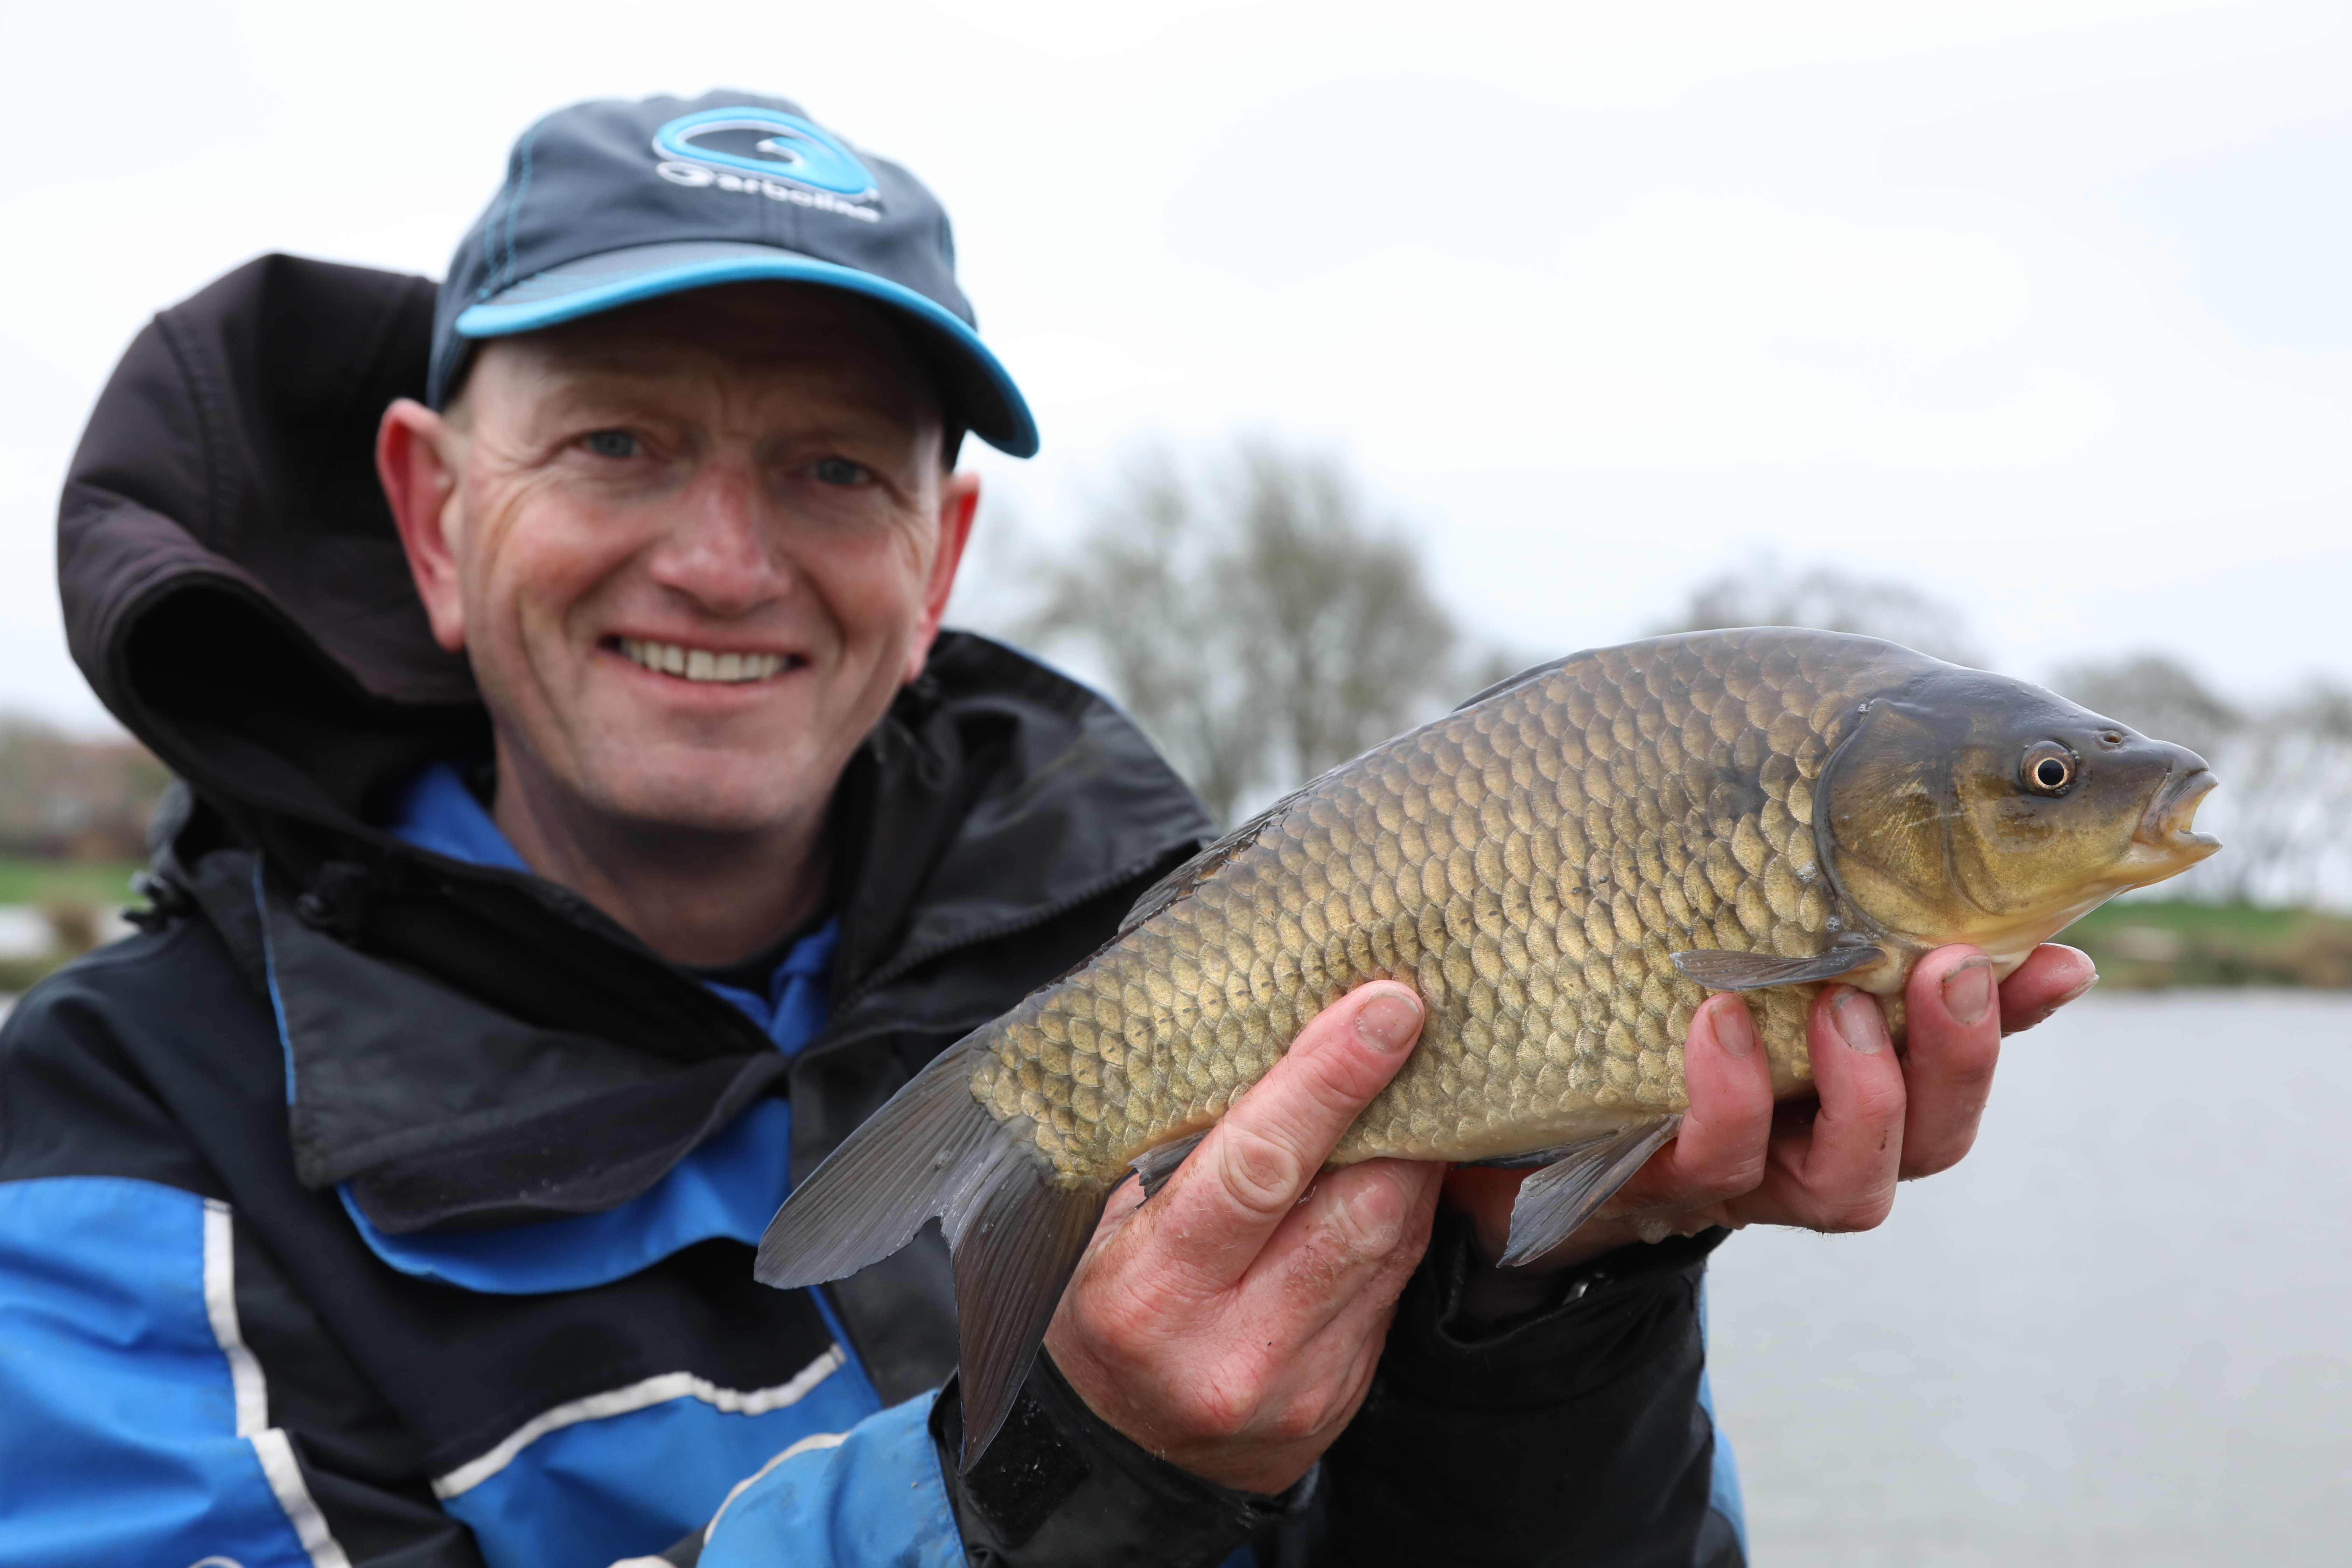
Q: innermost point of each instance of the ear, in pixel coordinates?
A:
(958, 503)
(417, 455)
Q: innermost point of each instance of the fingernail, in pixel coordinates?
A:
(1734, 1030)
(1858, 1022)
(1968, 991)
(2081, 990)
(1389, 1020)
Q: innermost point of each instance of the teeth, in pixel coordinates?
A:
(701, 664)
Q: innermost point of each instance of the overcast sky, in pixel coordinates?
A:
(2041, 307)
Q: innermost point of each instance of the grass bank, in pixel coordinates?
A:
(72, 894)
(2155, 943)
(100, 883)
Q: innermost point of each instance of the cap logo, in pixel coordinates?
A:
(768, 152)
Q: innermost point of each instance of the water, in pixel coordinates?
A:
(25, 933)
(2120, 1332)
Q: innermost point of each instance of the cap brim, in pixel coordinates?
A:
(983, 392)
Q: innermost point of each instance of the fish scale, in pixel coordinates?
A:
(1529, 864)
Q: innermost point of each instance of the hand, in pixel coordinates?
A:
(1884, 1116)
(1232, 1324)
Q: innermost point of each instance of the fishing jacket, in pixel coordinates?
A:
(387, 1207)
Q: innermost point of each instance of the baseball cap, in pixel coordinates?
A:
(609, 202)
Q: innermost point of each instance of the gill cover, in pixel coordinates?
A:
(1934, 832)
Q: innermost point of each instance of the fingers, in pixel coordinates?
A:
(1720, 1150)
(1952, 1023)
(1832, 1166)
(1247, 1386)
(2050, 977)
(1722, 1147)
(1955, 1017)
(1225, 1202)
(1363, 1227)
(1328, 1283)
(1839, 1174)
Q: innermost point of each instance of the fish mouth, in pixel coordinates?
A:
(2167, 824)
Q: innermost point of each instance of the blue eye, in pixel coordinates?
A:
(838, 471)
(611, 444)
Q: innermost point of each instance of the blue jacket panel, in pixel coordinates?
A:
(654, 1462)
(171, 1390)
(872, 1499)
(137, 1423)
(135, 1426)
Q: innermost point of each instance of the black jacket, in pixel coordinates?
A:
(327, 1036)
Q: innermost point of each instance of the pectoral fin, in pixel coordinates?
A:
(1562, 1195)
(1154, 1166)
(1720, 969)
(1536, 1157)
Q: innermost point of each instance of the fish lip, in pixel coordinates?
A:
(2166, 820)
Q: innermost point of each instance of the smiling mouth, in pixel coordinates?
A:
(701, 665)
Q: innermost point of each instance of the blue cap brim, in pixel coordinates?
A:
(987, 400)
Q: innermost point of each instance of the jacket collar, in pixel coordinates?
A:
(470, 1045)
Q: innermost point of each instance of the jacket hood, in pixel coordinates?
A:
(235, 592)
(232, 583)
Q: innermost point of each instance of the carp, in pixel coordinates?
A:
(1563, 868)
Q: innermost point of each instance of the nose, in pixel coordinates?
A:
(718, 554)
(2145, 752)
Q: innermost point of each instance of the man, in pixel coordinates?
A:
(587, 825)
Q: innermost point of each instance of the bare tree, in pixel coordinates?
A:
(62, 797)
(1342, 640)
(1765, 595)
(2156, 695)
(1255, 619)
(2287, 802)
(1143, 594)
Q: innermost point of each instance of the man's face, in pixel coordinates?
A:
(694, 547)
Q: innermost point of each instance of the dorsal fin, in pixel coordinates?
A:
(1207, 863)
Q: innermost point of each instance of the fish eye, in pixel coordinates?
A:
(2047, 768)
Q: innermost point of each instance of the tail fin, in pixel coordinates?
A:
(1014, 1231)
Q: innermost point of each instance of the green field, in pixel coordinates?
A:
(71, 888)
(99, 883)
(2149, 943)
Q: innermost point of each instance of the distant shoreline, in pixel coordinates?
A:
(2157, 944)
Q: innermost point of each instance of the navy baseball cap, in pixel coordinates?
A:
(610, 203)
